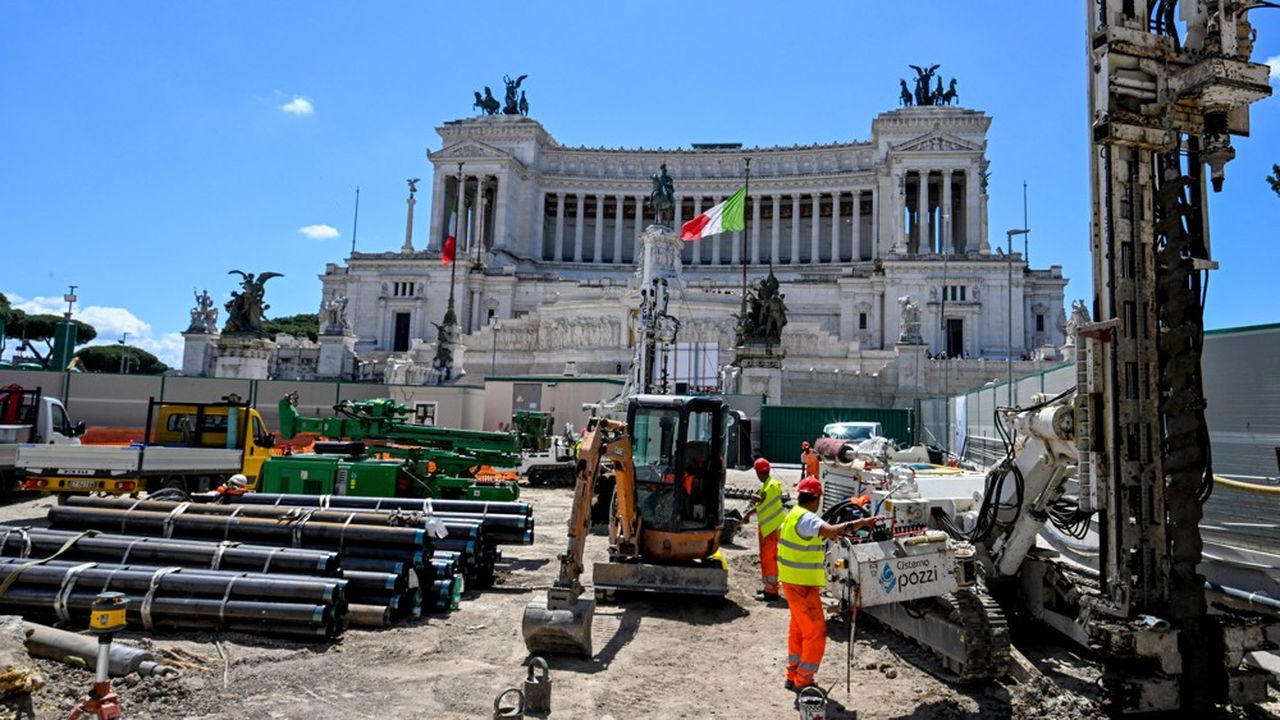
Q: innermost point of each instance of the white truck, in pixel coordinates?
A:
(29, 417)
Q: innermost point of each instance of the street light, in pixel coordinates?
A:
(1009, 258)
(493, 361)
(123, 338)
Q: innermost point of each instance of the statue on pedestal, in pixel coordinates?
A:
(927, 93)
(663, 196)
(766, 314)
(334, 311)
(245, 310)
(204, 316)
(511, 106)
(909, 324)
(488, 104)
(1079, 318)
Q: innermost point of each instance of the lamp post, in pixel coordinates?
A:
(493, 360)
(946, 334)
(123, 338)
(1009, 258)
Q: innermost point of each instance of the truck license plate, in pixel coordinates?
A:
(74, 471)
(88, 484)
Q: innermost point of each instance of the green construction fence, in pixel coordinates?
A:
(783, 428)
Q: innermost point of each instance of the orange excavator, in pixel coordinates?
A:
(665, 516)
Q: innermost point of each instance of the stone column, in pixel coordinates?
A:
(815, 230)
(638, 251)
(945, 215)
(735, 252)
(618, 202)
(922, 213)
(579, 221)
(835, 225)
(971, 181)
(875, 224)
(539, 221)
(597, 255)
(558, 253)
(695, 253)
(755, 230)
(855, 224)
(894, 211)
(774, 234)
(464, 226)
(436, 239)
(479, 232)
(677, 212)
(795, 229)
(716, 240)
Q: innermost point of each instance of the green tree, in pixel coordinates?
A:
(42, 328)
(304, 325)
(106, 359)
(1274, 179)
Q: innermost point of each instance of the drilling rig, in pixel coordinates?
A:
(1170, 83)
(1125, 454)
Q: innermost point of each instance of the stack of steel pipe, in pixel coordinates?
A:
(410, 546)
(176, 598)
(474, 536)
(466, 535)
(500, 523)
(364, 585)
(506, 523)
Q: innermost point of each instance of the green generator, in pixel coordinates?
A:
(330, 475)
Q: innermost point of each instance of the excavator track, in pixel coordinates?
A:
(965, 629)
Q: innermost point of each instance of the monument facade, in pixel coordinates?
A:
(548, 242)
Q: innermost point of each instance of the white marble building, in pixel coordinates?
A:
(548, 239)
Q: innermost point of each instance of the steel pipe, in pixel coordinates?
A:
(39, 542)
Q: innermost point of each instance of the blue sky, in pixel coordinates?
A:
(150, 147)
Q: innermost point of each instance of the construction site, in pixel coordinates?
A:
(1080, 552)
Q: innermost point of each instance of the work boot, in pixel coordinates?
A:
(763, 596)
(791, 685)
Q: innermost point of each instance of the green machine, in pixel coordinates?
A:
(373, 452)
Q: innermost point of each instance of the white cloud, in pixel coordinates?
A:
(298, 106)
(111, 323)
(1273, 62)
(319, 232)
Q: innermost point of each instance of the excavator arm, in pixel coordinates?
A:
(561, 623)
(605, 440)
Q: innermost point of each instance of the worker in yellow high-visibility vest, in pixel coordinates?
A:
(802, 570)
(767, 504)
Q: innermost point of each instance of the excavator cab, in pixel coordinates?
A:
(679, 472)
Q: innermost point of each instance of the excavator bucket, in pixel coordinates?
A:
(559, 627)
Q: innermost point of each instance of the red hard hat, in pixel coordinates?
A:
(810, 486)
(762, 465)
(804, 445)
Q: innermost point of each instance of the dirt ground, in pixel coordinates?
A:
(655, 658)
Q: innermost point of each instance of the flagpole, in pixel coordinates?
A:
(746, 229)
(355, 224)
(450, 317)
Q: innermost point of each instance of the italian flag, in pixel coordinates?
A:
(450, 249)
(725, 217)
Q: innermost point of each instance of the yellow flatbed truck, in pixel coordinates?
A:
(193, 447)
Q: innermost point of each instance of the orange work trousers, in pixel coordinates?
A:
(769, 560)
(807, 635)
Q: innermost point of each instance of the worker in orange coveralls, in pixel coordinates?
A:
(802, 570)
(767, 504)
(808, 460)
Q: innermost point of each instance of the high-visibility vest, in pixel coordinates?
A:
(769, 509)
(800, 560)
